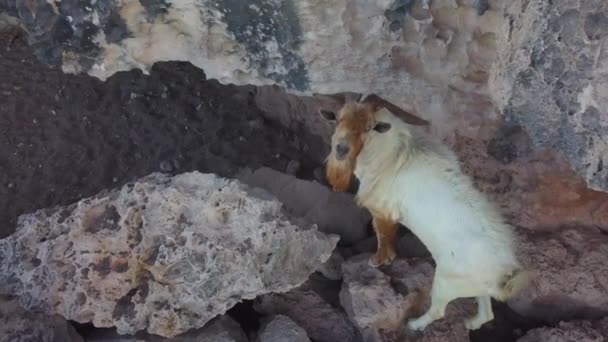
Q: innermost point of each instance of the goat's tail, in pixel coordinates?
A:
(513, 283)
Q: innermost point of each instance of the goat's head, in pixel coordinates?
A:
(354, 121)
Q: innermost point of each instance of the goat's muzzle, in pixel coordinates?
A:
(341, 151)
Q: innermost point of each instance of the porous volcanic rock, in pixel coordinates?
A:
(160, 254)
(19, 325)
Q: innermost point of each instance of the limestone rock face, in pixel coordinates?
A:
(522, 81)
(161, 254)
(19, 325)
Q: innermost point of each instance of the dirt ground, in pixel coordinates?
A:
(64, 137)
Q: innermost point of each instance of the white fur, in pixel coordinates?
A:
(419, 181)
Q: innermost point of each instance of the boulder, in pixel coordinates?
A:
(281, 328)
(322, 321)
(161, 254)
(220, 329)
(20, 325)
(332, 212)
(575, 331)
(569, 275)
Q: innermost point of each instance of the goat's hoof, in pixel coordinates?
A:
(416, 325)
(473, 324)
(378, 260)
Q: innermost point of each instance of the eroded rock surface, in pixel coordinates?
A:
(466, 65)
(19, 325)
(161, 254)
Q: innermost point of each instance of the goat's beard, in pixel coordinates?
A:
(340, 173)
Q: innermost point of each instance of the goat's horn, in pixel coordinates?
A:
(406, 116)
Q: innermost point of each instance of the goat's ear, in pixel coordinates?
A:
(327, 114)
(378, 102)
(382, 127)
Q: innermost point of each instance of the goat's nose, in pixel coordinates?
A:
(341, 151)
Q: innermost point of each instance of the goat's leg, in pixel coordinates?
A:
(446, 288)
(386, 232)
(484, 313)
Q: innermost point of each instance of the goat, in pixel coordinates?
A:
(406, 177)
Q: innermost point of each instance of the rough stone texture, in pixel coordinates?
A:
(569, 275)
(161, 254)
(332, 212)
(220, 329)
(578, 331)
(19, 325)
(551, 78)
(503, 76)
(322, 321)
(380, 301)
(281, 328)
(332, 268)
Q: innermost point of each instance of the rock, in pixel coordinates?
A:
(19, 325)
(161, 254)
(322, 321)
(332, 268)
(550, 78)
(220, 329)
(380, 301)
(280, 328)
(577, 331)
(332, 212)
(569, 275)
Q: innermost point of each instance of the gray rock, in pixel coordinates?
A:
(576, 331)
(161, 254)
(220, 329)
(332, 268)
(322, 321)
(334, 213)
(282, 329)
(19, 325)
(551, 79)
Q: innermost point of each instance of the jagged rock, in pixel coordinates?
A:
(381, 301)
(282, 329)
(161, 254)
(19, 325)
(332, 212)
(569, 275)
(322, 321)
(578, 331)
(332, 268)
(220, 329)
